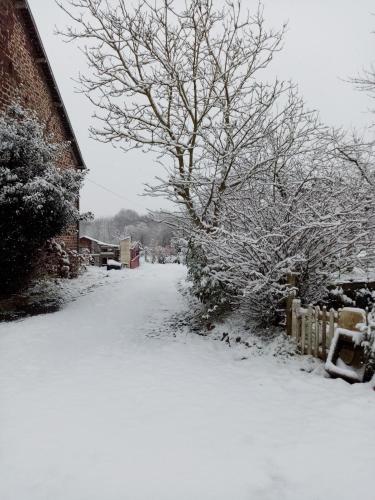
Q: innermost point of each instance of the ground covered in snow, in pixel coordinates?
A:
(51, 294)
(107, 400)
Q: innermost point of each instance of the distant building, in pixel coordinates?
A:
(100, 251)
(26, 76)
(129, 253)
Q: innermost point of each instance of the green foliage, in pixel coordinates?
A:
(37, 199)
(204, 274)
(368, 345)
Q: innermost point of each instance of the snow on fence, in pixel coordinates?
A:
(313, 328)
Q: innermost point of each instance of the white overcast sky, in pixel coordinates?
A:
(327, 41)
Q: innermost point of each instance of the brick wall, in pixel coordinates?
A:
(86, 243)
(25, 76)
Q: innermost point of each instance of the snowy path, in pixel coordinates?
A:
(95, 407)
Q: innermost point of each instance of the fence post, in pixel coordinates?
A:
(309, 329)
(317, 328)
(338, 315)
(291, 284)
(331, 324)
(303, 333)
(296, 304)
(324, 332)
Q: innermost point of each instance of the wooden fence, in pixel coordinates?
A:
(312, 328)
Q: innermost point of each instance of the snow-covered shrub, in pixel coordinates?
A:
(57, 261)
(158, 254)
(368, 345)
(37, 198)
(179, 249)
(261, 241)
(305, 212)
(337, 298)
(363, 298)
(207, 275)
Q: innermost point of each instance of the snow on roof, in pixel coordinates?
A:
(98, 241)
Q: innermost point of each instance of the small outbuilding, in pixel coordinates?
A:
(100, 251)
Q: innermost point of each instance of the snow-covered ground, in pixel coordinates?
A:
(100, 401)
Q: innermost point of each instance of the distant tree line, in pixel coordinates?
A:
(147, 229)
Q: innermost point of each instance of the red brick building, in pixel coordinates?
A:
(26, 76)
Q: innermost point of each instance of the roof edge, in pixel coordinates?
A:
(99, 242)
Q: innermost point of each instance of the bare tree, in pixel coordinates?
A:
(365, 82)
(354, 149)
(184, 84)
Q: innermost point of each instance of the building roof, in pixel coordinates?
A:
(31, 26)
(101, 243)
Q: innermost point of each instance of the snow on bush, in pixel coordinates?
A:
(306, 212)
(207, 275)
(37, 199)
(58, 261)
(368, 344)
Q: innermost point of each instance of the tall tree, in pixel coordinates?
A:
(184, 83)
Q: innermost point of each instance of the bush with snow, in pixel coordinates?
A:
(306, 212)
(59, 262)
(368, 345)
(207, 277)
(37, 198)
